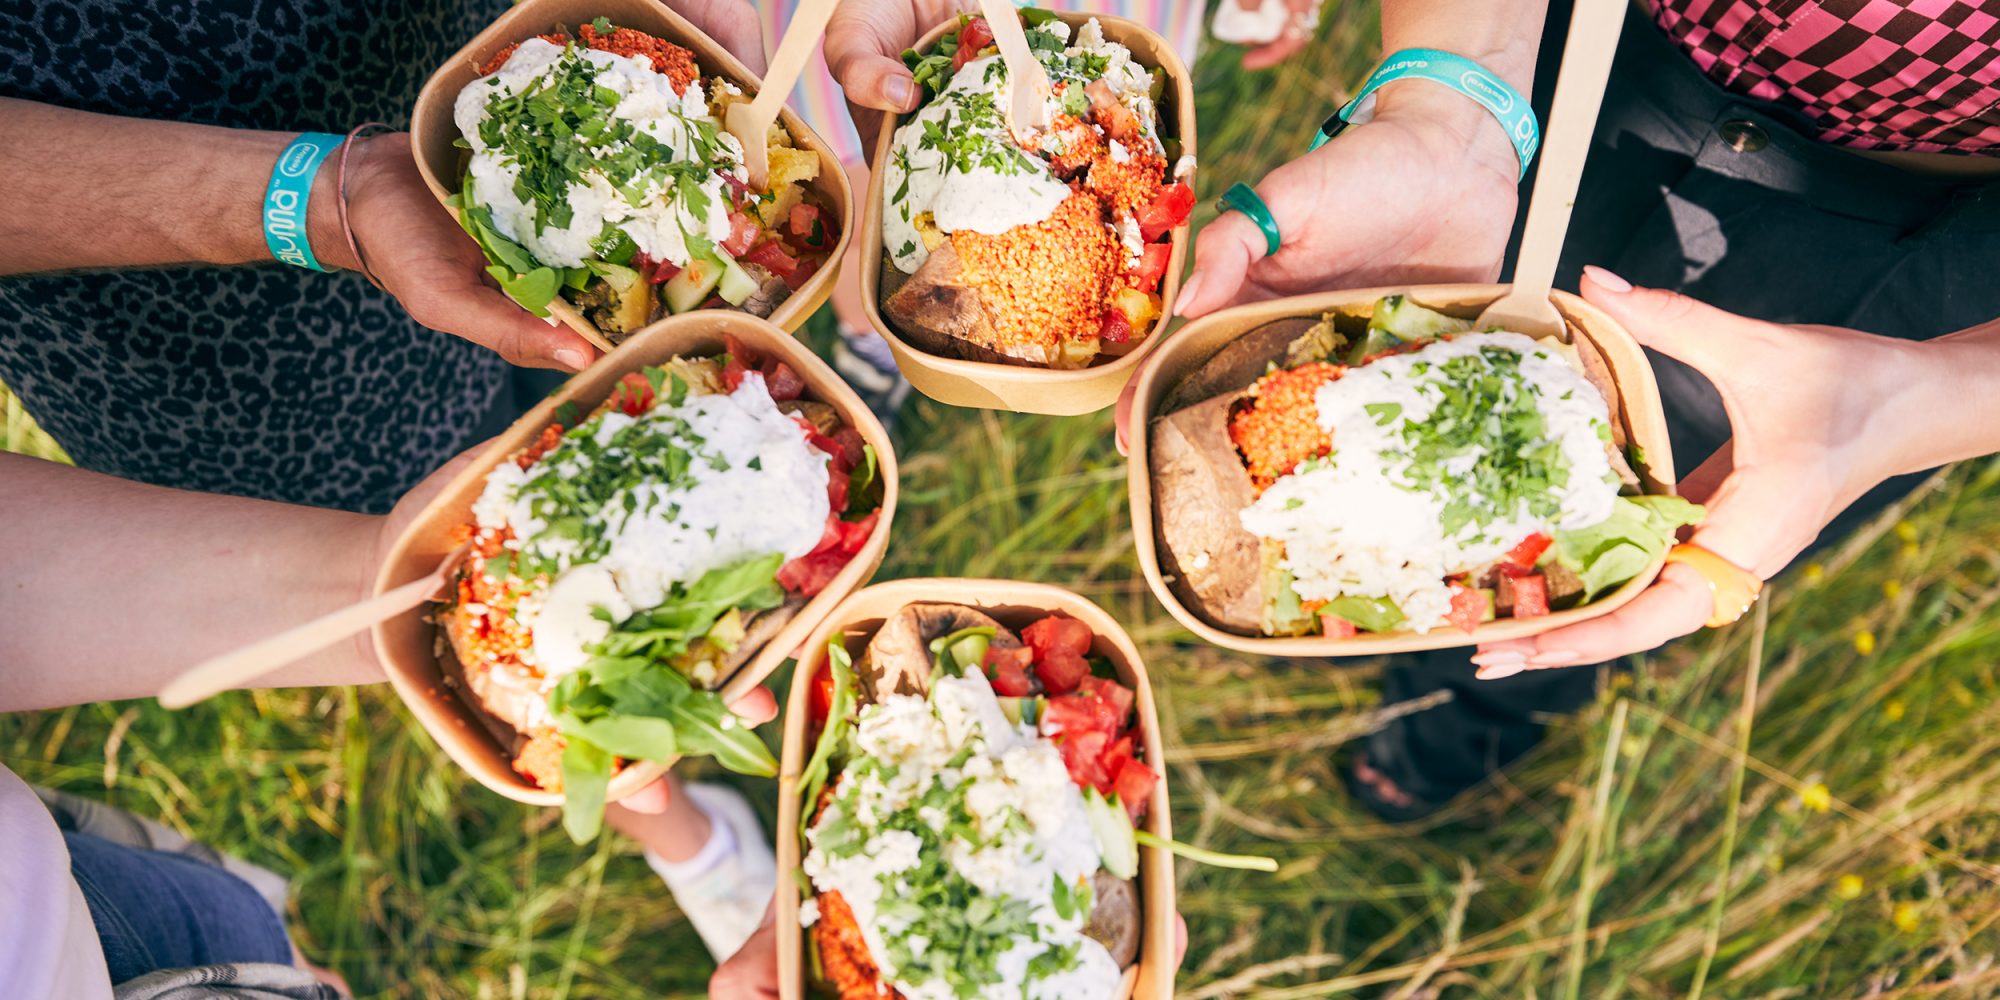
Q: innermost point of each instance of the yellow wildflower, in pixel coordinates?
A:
(1893, 710)
(1864, 642)
(1905, 917)
(1816, 797)
(1906, 531)
(1892, 589)
(1849, 887)
(1814, 573)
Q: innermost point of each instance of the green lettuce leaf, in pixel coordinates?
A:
(820, 766)
(1616, 549)
(586, 772)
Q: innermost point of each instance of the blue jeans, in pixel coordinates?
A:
(156, 910)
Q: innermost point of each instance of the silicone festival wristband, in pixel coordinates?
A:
(1511, 109)
(285, 201)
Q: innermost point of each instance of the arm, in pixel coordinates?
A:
(1424, 192)
(110, 588)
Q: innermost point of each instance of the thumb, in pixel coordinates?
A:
(863, 58)
(1685, 329)
(485, 315)
(1223, 253)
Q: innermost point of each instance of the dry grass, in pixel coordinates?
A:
(1800, 807)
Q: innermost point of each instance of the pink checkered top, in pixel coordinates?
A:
(1913, 75)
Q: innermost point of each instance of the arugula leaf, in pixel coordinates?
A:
(813, 778)
(1616, 549)
(706, 726)
(586, 772)
(533, 290)
(635, 737)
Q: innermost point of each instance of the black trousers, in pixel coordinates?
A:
(1691, 188)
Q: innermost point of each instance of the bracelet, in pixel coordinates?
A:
(288, 196)
(347, 228)
(1511, 109)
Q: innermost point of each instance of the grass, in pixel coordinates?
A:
(1800, 806)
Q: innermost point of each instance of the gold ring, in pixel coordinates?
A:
(1733, 588)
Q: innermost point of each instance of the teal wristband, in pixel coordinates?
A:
(1516, 118)
(285, 201)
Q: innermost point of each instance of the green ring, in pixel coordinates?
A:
(1243, 198)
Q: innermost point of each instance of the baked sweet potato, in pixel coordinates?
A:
(1199, 486)
(937, 311)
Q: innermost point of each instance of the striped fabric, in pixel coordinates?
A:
(1903, 75)
(817, 98)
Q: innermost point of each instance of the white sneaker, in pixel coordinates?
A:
(726, 886)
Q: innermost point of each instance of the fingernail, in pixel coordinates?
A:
(572, 359)
(1605, 279)
(1187, 293)
(1498, 656)
(1499, 670)
(1556, 658)
(901, 91)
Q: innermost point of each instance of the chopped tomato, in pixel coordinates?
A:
(852, 448)
(739, 188)
(663, 272)
(1083, 754)
(1468, 607)
(1114, 328)
(820, 703)
(743, 231)
(854, 534)
(805, 270)
(633, 394)
(974, 36)
(828, 445)
(1060, 670)
(733, 371)
(1057, 633)
(1152, 265)
(836, 491)
(1115, 695)
(738, 352)
(1009, 671)
(1524, 556)
(1117, 120)
(772, 257)
(1133, 782)
(809, 574)
(1336, 627)
(783, 383)
(1531, 595)
(1168, 209)
(809, 227)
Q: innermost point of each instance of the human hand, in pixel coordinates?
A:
(1801, 401)
(1423, 193)
(732, 24)
(1297, 31)
(864, 47)
(752, 973)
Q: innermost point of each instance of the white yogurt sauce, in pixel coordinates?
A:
(985, 200)
(659, 222)
(1352, 525)
(1013, 774)
(763, 492)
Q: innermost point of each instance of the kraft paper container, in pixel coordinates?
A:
(1015, 605)
(1025, 389)
(1638, 408)
(410, 645)
(432, 129)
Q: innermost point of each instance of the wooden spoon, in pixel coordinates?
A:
(1586, 66)
(751, 123)
(217, 675)
(1027, 81)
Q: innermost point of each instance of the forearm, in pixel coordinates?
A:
(82, 190)
(1941, 401)
(1501, 35)
(108, 588)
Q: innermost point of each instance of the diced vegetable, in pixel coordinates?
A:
(1336, 627)
(632, 395)
(1140, 308)
(686, 290)
(1526, 596)
(1060, 670)
(1469, 607)
(1410, 323)
(1168, 209)
(743, 232)
(1009, 670)
(1152, 265)
(1524, 556)
(1371, 614)
(1116, 843)
(1115, 328)
(976, 35)
(736, 285)
(1133, 784)
(1057, 633)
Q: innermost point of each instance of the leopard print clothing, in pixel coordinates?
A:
(266, 380)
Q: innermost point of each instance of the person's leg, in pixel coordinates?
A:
(714, 856)
(155, 910)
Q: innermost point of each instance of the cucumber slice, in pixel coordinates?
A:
(1011, 708)
(1117, 845)
(1369, 614)
(736, 285)
(970, 651)
(687, 290)
(1021, 710)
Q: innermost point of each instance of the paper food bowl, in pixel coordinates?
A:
(1637, 408)
(412, 648)
(1025, 389)
(432, 129)
(1015, 605)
